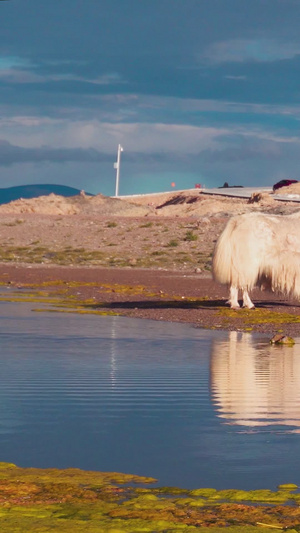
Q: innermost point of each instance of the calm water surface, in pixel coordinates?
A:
(190, 407)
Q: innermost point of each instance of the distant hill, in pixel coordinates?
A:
(33, 191)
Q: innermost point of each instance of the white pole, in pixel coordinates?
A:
(117, 167)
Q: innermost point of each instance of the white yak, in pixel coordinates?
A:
(259, 250)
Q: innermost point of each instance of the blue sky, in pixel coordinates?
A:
(196, 91)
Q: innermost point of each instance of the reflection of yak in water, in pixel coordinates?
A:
(255, 384)
(260, 250)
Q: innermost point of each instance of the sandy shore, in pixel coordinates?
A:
(172, 296)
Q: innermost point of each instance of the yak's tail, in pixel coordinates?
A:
(234, 260)
(223, 260)
(285, 274)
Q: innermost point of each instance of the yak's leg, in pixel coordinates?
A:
(233, 298)
(247, 302)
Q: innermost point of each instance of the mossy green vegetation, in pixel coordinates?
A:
(66, 296)
(258, 316)
(58, 302)
(72, 500)
(190, 236)
(108, 255)
(42, 254)
(172, 243)
(56, 296)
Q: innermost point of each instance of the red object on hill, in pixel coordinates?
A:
(283, 183)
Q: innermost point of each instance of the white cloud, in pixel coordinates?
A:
(238, 78)
(20, 75)
(30, 132)
(268, 135)
(71, 132)
(20, 70)
(135, 137)
(248, 50)
(189, 105)
(9, 62)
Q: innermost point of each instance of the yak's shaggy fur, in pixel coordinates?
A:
(259, 250)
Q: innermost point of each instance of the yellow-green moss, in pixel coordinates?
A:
(59, 301)
(259, 316)
(79, 310)
(35, 500)
(288, 486)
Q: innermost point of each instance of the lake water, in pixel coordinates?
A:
(191, 407)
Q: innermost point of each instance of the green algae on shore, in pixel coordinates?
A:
(61, 300)
(58, 301)
(99, 298)
(38, 500)
(258, 316)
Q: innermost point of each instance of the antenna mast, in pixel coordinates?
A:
(117, 167)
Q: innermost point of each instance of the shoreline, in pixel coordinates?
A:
(172, 296)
